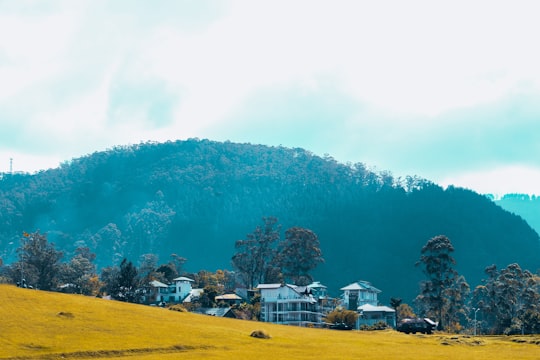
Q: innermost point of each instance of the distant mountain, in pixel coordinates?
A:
(526, 206)
(195, 198)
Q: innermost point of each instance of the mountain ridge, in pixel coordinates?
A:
(197, 197)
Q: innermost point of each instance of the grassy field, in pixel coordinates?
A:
(42, 325)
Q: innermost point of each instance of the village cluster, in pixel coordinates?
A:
(283, 303)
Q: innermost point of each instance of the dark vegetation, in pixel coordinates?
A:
(196, 198)
(524, 205)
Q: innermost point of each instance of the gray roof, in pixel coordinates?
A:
(361, 285)
(213, 311)
(316, 285)
(158, 284)
(268, 286)
(370, 308)
(183, 278)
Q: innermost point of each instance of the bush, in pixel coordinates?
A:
(380, 325)
(178, 307)
(259, 334)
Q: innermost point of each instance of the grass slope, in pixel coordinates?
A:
(42, 325)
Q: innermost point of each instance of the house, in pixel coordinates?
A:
(179, 289)
(155, 292)
(371, 314)
(358, 294)
(289, 305)
(230, 299)
(319, 292)
(362, 297)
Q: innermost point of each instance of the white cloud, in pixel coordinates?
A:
(499, 181)
(406, 66)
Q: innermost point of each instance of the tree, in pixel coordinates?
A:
(298, 254)
(342, 316)
(404, 311)
(395, 303)
(147, 267)
(255, 255)
(38, 261)
(80, 272)
(438, 266)
(509, 300)
(121, 283)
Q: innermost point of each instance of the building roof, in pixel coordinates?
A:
(372, 308)
(194, 293)
(316, 285)
(158, 284)
(213, 311)
(268, 286)
(228, 297)
(361, 285)
(183, 278)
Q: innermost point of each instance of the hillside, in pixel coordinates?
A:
(43, 325)
(195, 198)
(526, 206)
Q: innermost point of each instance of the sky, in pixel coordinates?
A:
(448, 91)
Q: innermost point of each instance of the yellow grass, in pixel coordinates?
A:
(42, 325)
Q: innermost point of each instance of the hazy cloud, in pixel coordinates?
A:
(441, 90)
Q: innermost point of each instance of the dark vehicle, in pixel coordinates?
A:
(340, 326)
(424, 326)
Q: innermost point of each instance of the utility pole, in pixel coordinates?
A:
(475, 311)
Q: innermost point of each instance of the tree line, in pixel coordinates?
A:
(506, 302)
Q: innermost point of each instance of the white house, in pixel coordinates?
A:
(358, 294)
(289, 305)
(179, 289)
(370, 315)
(155, 292)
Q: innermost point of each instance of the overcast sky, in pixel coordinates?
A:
(448, 91)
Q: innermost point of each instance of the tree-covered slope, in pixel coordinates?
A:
(526, 206)
(196, 198)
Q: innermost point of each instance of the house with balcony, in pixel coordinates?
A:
(289, 305)
(359, 293)
(362, 297)
(155, 292)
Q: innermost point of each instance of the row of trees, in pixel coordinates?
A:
(40, 266)
(508, 300)
(264, 258)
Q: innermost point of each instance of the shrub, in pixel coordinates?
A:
(259, 334)
(178, 307)
(379, 325)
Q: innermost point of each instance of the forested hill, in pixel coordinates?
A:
(195, 198)
(524, 205)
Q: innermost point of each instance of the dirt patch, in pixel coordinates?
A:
(65, 315)
(106, 354)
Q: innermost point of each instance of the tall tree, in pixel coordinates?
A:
(509, 300)
(255, 255)
(438, 266)
(298, 254)
(38, 260)
(122, 282)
